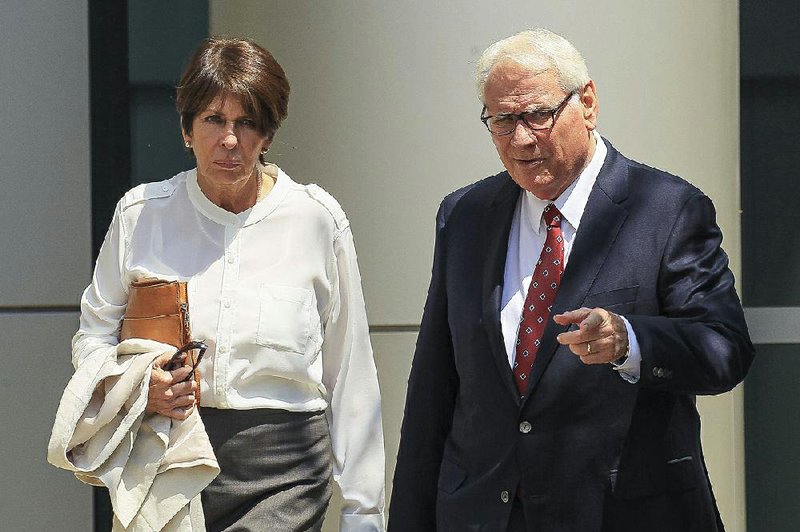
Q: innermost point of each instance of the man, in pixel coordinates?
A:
(578, 303)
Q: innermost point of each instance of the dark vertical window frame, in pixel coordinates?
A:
(110, 115)
(110, 143)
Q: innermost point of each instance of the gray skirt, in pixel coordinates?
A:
(275, 470)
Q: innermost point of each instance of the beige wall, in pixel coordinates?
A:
(384, 115)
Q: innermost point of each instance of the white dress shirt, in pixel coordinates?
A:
(275, 292)
(525, 243)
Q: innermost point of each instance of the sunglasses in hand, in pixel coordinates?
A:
(177, 359)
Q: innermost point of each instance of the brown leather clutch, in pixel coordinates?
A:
(159, 310)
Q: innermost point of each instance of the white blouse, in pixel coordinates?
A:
(275, 292)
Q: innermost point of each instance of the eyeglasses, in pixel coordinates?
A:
(536, 119)
(177, 359)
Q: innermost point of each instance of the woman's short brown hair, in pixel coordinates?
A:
(238, 68)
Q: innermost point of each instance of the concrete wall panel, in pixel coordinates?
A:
(34, 369)
(45, 207)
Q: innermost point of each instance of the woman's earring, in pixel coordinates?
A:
(188, 144)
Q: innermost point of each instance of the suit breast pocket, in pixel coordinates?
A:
(619, 300)
(284, 318)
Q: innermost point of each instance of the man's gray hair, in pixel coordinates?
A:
(538, 50)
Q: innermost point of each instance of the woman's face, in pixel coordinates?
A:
(226, 144)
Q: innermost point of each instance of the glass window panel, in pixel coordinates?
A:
(772, 422)
(770, 173)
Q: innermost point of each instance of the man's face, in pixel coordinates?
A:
(544, 162)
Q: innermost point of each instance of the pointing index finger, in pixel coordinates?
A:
(572, 316)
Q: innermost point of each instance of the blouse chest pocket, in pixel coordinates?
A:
(284, 318)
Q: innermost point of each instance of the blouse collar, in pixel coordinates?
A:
(254, 214)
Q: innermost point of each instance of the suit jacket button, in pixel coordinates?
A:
(504, 496)
(525, 427)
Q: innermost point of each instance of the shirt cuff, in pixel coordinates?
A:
(362, 523)
(631, 369)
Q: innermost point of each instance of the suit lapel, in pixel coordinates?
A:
(496, 226)
(602, 218)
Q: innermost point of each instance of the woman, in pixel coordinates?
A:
(288, 387)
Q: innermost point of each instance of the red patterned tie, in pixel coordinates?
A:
(539, 301)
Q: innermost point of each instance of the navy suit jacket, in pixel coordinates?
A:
(600, 454)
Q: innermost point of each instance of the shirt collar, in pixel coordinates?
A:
(572, 201)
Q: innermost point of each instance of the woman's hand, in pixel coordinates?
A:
(168, 395)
